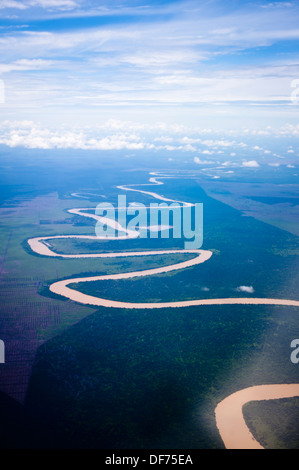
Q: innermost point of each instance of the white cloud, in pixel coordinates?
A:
(161, 58)
(171, 57)
(248, 289)
(26, 64)
(218, 143)
(59, 4)
(202, 162)
(29, 135)
(278, 5)
(12, 4)
(288, 130)
(121, 134)
(250, 164)
(46, 4)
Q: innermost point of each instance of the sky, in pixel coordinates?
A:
(140, 74)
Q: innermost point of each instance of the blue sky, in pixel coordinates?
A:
(93, 68)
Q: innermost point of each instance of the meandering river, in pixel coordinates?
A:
(229, 417)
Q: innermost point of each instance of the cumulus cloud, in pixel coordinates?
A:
(288, 130)
(250, 164)
(202, 162)
(29, 135)
(218, 143)
(248, 289)
(122, 134)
